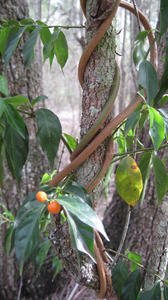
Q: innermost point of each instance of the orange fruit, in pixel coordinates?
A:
(54, 207)
(41, 196)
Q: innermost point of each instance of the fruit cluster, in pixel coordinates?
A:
(53, 206)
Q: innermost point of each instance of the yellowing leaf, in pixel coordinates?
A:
(129, 182)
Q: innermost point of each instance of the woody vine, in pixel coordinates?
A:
(64, 192)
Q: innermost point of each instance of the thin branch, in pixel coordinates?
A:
(20, 288)
(73, 292)
(123, 236)
(49, 26)
(137, 14)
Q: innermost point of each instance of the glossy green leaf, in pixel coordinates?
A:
(61, 49)
(164, 113)
(161, 178)
(164, 100)
(42, 252)
(49, 132)
(132, 121)
(12, 42)
(2, 107)
(153, 294)
(45, 34)
(16, 149)
(132, 286)
(121, 143)
(82, 235)
(4, 32)
(145, 167)
(27, 233)
(3, 85)
(76, 189)
(147, 78)
(163, 16)
(139, 52)
(38, 99)
(165, 293)
(46, 178)
(9, 239)
(119, 277)
(70, 141)
(56, 265)
(78, 207)
(28, 49)
(134, 259)
(16, 101)
(163, 82)
(157, 127)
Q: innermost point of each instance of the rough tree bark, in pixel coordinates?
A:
(148, 229)
(26, 82)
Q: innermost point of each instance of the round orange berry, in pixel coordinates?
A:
(41, 196)
(54, 207)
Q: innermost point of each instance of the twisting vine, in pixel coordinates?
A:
(92, 140)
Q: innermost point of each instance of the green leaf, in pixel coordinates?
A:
(153, 294)
(3, 85)
(2, 107)
(139, 52)
(164, 113)
(49, 132)
(132, 286)
(38, 99)
(157, 127)
(45, 34)
(27, 233)
(77, 189)
(147, 78)
(78, 207)
(12, 42)
(16, 149)
(16, 101)
(57, 265)
(9, 239)
(61, 49)
(132, 121)
(134, 260)
(42, 252)
(164, 100)
(4, 32)
(161, 178)
(145, 167)
(70, 140)
(165, 293)
(163, 16)
(119, 277)
(28, 49)
(82, 235)
(46, 178)
(15, 120)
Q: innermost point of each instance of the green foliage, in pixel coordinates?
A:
(165, 293)
(134, 259)
(42, 252)
(27, 234)
(119, 276)
(70, 141)
(9, 239)
(157, 127)
(28, 49)
(161, 178)
(49, 132)
(3, 85)
(139, 53)
(61, 49)
(131, 286)
(147, 78)
(145, 166)
(163, 16)
(153, 294)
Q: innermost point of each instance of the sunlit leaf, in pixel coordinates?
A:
(157, 127)
(161, 178)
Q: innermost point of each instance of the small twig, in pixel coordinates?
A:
(137, 14)
(20, 287)
(123, 236)
(73, 292)
(49, 26)
(79, 293)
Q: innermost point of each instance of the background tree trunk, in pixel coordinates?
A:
(27, 82)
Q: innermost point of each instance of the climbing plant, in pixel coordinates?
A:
(65, 200)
